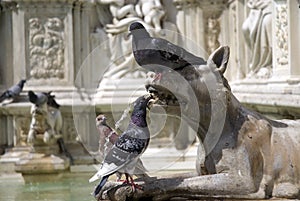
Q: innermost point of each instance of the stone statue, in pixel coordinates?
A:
(46, 120)
(247, 155)
(152, 12)
(257, 30)
(149, 12)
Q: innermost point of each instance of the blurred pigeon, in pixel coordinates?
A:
(51, 101)
(10, 94)
(125, 153)
(154, 54)
(107, 138)
(38, 99)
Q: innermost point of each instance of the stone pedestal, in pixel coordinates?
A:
(38, 163)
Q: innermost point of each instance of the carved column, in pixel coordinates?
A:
(200, 21)
(286, 31)
(239, 60)
(190, 24)
(212, 12)
(294, 31)
(280, 42)
(6, 72)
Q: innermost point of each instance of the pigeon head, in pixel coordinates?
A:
(138, 30)
(32, 96)
(21, 83)
(135, 26)
(142, 102)
(138, 116)
(100, 120)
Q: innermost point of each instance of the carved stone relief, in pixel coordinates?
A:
(212, 34)
(151, 13)
(21, 124)
(46, 47)
(69, 131)
(281, 34)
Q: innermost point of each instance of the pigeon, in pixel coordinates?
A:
(10, 94)
(51, 101)
(157, 54)
(107, 138)
(38, 99)
(126, 151)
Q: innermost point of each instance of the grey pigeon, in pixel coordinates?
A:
(126, 151)
(107, 138)
(10, 94)
(157, 54)
(38, 99)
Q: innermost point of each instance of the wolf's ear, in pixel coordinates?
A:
(220, 58)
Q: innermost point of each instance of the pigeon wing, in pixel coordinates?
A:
(14, 90)
(135, 140)
(119, 155)
(175, 53)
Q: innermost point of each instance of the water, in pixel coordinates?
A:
(66, 187)
(74, 185)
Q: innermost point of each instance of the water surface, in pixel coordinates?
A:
(63, 187)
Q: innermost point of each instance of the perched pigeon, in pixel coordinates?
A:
(38, 99)
(126, 151)
(107, 138)
(10, 94)
(155, 54)
(51, 101)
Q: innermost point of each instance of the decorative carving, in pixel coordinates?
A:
(212, 34)
(150, 12)
(22, 128)
(69, 129)
(180, 4)
(46, 47)
(281, 34)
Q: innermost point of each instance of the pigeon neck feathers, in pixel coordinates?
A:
(21, 83)
(138, 118)
(140, 34)
(138, 31)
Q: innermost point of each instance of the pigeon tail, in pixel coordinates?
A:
(100, 185)
(3, 96)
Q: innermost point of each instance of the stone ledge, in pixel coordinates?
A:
(277, 98)
(35, 163)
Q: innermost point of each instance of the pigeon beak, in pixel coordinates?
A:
(148, 97)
